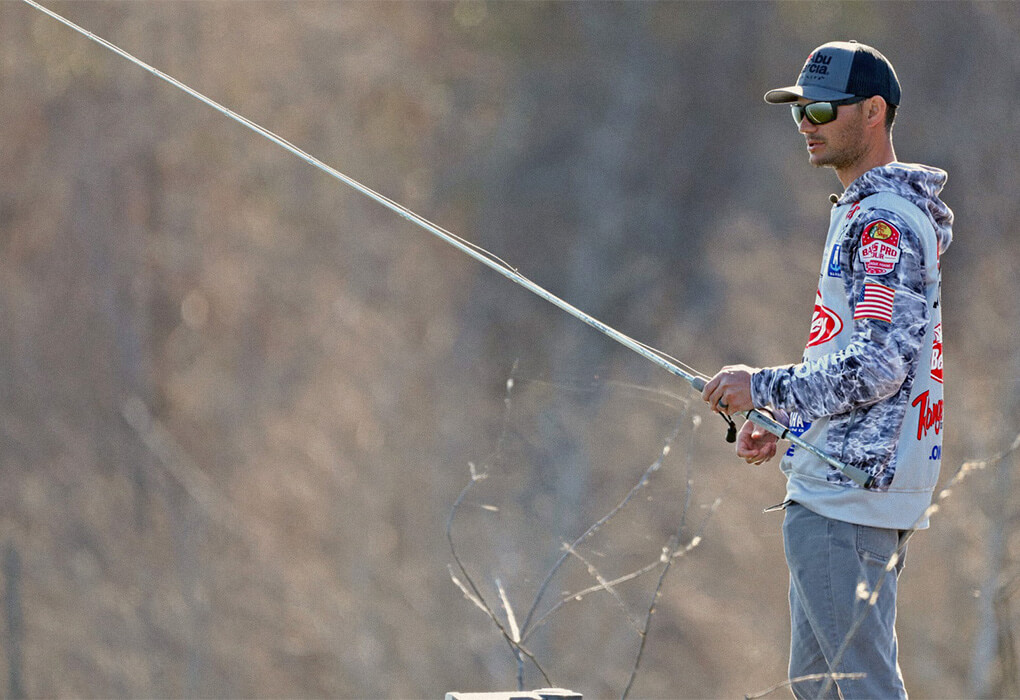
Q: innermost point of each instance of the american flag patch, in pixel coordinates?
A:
(876, 302)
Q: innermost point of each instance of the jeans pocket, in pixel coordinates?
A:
(876, 544)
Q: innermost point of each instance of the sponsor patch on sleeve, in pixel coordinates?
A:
(834, 269)
(880, 247)
(825, 323)
(876, 302)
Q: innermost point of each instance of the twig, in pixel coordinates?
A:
(468, 586)
(185, 471)
(579, 595)
(471, 591)
(653, 467)
(803, 679)
(516, 635)
(668, 556)
(508, 609)
(965, 470)
(604, 585)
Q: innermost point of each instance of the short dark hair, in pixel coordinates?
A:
(890, 116)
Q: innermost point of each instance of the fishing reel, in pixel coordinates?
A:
(731, 431)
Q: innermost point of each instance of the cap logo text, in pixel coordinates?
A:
(817, 64)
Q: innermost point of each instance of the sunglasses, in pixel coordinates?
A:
(820, 112)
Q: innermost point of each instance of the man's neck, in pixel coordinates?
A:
(876, 158)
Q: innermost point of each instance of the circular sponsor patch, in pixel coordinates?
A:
(825, 323)
(880, 247)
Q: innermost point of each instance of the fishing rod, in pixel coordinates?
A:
(666, 362)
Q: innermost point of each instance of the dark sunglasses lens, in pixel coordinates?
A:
(816, 112)
(821, 112)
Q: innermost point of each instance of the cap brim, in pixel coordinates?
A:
(795, 92)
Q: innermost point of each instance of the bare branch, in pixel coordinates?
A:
(667, 555)
(472, 592)
(673, 553)
(803, 679)
(510, 618)
(468, 586)
(605, 585)
(515, 635)
(653, 467)
(965, 470)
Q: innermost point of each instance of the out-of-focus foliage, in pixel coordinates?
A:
(237, 400)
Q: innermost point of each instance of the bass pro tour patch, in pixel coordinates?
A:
(880, 247)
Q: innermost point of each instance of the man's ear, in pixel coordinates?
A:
(874, 110)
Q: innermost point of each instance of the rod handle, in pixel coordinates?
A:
(855, 474)
(858, 476)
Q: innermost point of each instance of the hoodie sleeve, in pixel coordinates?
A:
(890, 313)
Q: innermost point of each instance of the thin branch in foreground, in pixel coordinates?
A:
(471, 591)
(468, 586)
(669, 555)
(606, 586)
(803, 679)
(642, 482)
(510, 618)
(515, 635)
(965, 470)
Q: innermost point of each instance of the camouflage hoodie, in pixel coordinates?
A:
(869, 389)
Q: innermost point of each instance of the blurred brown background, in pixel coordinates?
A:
(238, 400)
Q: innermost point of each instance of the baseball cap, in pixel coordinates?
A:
(840, 70)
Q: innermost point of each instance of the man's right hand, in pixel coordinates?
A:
(756, 445)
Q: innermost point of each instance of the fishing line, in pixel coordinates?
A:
(479, 253)
(674, 366)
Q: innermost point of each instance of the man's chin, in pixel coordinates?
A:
(820, 160)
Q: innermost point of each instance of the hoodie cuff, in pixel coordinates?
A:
(765, 385)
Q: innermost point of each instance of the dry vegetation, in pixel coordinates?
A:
(239, 401)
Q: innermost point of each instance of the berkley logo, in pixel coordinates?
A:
(936, 355)
(880, 248)
(825, 323)
(929, 415)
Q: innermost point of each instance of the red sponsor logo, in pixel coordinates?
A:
(936, 355)
(825, 323)
(880, 247)
(929, 415)
(853, 210)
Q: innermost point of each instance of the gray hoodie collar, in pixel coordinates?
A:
(918, 184)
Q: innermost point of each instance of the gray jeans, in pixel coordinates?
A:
(835, 568)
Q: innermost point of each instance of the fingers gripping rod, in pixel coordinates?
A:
(858, 476)
(474, 251)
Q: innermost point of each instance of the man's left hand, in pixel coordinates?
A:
(729, 391)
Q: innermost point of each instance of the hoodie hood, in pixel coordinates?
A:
(918, 184)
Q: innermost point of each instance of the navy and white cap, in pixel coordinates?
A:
(842, 70)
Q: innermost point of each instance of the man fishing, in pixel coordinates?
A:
(868, 390)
